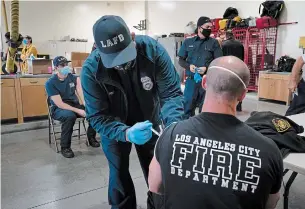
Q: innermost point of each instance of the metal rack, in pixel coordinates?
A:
(260, 48)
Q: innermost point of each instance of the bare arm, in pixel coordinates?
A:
(295, 74)
(272, 200)
(79, 91)
(59, 103)
(155, 177)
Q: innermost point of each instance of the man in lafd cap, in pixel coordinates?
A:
(195, 56)
(129, 88)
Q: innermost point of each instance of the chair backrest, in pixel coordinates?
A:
(48, 101)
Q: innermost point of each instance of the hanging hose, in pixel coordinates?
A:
(14, 35)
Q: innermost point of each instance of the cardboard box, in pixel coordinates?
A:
(78, 58)
(40, 66)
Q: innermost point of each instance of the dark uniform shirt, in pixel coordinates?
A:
(215, 161)
(134, 110)
(233, 47)
(66, 89)
(199, 52)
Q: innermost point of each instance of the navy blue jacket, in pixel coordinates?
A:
(199, 52)
(106, 100)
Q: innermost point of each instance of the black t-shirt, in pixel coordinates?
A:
(134, 111)
(65, 88)
(234, 48)
(216, 161)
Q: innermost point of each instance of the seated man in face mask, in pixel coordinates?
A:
(64, 88)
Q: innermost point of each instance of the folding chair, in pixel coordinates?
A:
(55, 123)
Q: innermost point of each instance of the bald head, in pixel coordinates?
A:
(224, 82)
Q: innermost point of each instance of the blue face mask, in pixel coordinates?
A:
(65, 71)
(25, 42)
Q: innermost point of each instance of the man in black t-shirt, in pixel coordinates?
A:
(214, 160)
(233, 47)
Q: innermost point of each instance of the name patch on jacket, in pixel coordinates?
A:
(147, 83)
(281, 125)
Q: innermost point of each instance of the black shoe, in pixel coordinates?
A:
(67, 152)
(93, 142)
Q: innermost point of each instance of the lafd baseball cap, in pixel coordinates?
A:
(60, 60)
(113, 40)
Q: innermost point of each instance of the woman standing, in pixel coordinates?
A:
(28, 50)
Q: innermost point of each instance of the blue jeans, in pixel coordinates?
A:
(121, 191)
(193, 97)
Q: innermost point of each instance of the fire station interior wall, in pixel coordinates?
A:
(52, 20)
(165, 17)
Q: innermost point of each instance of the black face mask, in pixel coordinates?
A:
(206, 32)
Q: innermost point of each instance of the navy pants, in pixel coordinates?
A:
(297, 104)
(121, 191)
(67, 119)
(193, 97)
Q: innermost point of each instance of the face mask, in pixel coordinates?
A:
(125, 66)
(206, 32)
(65, 71)
(229, 71)
(25, 42)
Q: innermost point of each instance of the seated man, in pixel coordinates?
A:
(214, 160)
(63, 88)
(297, 86)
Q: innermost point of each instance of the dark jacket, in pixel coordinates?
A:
(283, 131)
(106, 99)
(198, 52)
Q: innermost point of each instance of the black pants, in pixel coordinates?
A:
(121, 191)
(67, 118)
(297, 104)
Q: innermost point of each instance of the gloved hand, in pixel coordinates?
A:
(140, 133)
(32, 57)
(197, 77)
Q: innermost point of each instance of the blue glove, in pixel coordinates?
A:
(197, 77)
(32, 57)
(140, 133)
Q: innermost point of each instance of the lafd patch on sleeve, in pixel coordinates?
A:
(281, 125)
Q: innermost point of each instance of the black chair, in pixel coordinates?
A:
(55, 123)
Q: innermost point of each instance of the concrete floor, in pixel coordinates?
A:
(34, 176)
